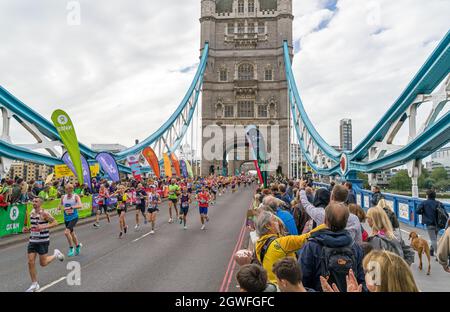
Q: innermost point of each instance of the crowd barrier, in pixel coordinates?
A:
(403, 206)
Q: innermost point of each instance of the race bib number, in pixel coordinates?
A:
(68, 209)
(34, 231)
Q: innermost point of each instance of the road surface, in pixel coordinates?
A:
(171, 260)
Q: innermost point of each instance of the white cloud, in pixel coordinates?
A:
(118, 73)
(346, 71)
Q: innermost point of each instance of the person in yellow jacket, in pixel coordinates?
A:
(273, 246)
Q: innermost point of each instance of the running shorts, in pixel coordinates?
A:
(71, 224)
(39, 248)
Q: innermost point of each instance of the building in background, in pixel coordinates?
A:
(29, 171)
(345, 130)
(337, 148)
(245, 81)
(111, 148)
(440, 158)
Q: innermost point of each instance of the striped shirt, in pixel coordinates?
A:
(38, 236)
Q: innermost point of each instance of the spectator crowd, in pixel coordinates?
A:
(321, 240)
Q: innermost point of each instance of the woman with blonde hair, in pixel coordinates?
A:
(387, 272)
(382, 236)
(382, 203)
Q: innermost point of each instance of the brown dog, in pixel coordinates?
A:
(421, 246)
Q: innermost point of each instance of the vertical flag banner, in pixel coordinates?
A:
(86, 172)
(84, 164)
(66, 131)
(261, 181)
(176, 164)
(184, 170)
(109, 166)
(133, 161)
(258, 147)
(189, 169)
(167, 166)
(152, 159)
(68, 161)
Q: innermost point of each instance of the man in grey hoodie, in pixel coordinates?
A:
(338, 195)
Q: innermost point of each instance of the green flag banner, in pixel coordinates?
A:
(12, 220)
(66, 130)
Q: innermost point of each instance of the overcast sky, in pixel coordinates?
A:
(123, 71)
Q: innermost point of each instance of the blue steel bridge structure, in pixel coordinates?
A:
(376, 152)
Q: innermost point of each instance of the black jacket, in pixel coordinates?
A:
(351, 199)
(376, 198)
(427, 209)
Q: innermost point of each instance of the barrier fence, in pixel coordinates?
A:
(403, 206)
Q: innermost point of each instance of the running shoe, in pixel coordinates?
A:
(152, 232)
(207, 219)
(185, 227)
(58, 254)
(96, 225)
(120, 235)
(170, 220)
(125, 229)
(136, 227)
(77, 249)
(33, 288)
(71, 252)
(203, 227)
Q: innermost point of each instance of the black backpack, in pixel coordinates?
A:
(336, 263)
(441, 216)
(265, 247)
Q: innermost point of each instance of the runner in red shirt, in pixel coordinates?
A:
(203, 199)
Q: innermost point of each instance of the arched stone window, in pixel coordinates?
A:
(251, 6)
(241, 6)
(246, 72)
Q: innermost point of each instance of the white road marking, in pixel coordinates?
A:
(141, 237)
(52, 284)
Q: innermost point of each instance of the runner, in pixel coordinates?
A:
(213, 191)
(174, 192)
(141, 194)
(153, 200)
(189, 186)
(203, 204)
(185, 200)
(103, 195)
(39, 242)
(121, 209)
(70, 203)
(233, 186)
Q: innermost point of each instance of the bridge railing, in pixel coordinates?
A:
(403, 206)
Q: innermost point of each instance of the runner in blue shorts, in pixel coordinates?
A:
(203, 199)
(185, 200)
